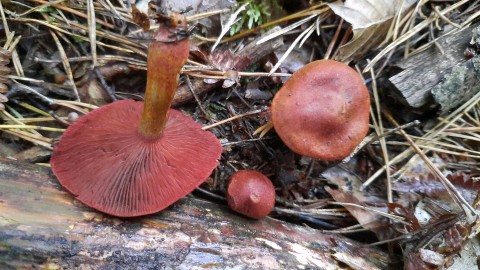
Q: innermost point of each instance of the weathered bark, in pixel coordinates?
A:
(41, 225)
(446, 77)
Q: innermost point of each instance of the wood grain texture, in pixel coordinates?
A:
(43, 226)
(431, 69)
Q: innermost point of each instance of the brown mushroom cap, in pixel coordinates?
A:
(104, 161)
(322, 111)
(251, 193)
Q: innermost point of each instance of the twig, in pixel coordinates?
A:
(191, 71)
(92, 31)
(231, 119)
(387, 215)
(314, 212)
(211, 194)
(379, 130)
(76, 103)
(292, 46)
(31, 127)
(10, 35)
(71, 106)
(263, 129)
(229, 24)
(284, 30)
(24, 88)
(386, 241)
(243, 141)
(334, 40)
(303, 13)
(29, 138)
(190, 86)
(17, 121)
(203, 15)
(25, 120)
(443, 17)
(33, 108)
(48, 4)
(344, 40)
(75, 12)
(370, 139)
(66, 64)
(463, 129)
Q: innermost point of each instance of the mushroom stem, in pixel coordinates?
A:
(165, 60)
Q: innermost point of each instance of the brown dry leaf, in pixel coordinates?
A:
(349, 192)
(140, 18)
(224, 59)
(370, 20)
(431, 187)
(416, 181)
(93, 92)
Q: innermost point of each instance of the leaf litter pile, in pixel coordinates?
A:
(411, 187)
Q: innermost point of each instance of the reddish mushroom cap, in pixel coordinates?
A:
(107, 165)
(322, 111)
(251, 193)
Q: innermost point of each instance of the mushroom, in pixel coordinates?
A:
(251, 193)
(322, 111)
(133, 158)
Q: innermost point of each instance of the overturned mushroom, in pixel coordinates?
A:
(135, 158)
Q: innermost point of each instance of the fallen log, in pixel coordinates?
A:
(442, 76)
(44, 227)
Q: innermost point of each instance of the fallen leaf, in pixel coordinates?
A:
(408, 214)
(430, 186)
(444, 237)
(416, 178)
(413, 261)
(370, 20)
(224, 59)
(93, 92)
(349, 192)
(431, 257)
(140, 18)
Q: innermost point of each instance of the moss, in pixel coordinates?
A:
(475, 36)
(462, 83)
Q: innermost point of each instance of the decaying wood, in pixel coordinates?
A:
(457, 87)
(250, 54)
(441, 75)
(42, 226)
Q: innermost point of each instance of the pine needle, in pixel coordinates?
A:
(226, 27)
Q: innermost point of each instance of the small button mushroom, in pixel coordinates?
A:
(322, 111)
(251, 193)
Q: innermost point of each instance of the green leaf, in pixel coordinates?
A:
(48, 9)
(256, 14)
